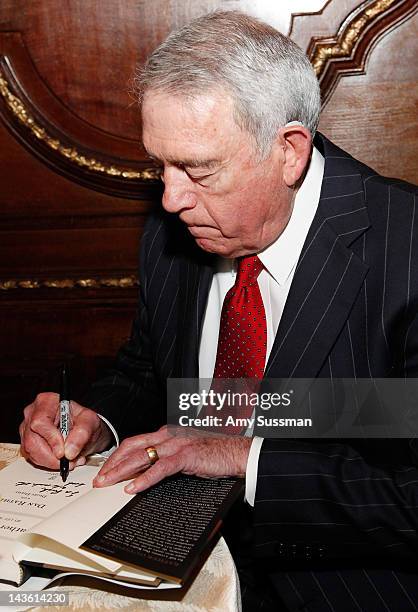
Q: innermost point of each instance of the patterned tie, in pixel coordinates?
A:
(242, 338)
(243, 330)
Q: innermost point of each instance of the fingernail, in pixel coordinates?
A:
(130, 488)
(57, 451)
(71, 451)
(99, 479)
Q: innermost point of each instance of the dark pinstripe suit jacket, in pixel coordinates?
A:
(335, 523)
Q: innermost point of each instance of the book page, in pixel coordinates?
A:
(72, 525)
(27, 496)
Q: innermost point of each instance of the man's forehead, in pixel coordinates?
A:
(180, 150)
(188, 133)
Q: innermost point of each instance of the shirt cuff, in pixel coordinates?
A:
(252, 470)
(108, 452)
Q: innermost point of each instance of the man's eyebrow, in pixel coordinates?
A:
(198, 163)
(192, 162)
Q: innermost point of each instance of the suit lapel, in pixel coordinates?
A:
(328, 276)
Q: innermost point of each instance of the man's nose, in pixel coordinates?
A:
(178, 192)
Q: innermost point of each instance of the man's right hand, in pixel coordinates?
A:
(41, 439)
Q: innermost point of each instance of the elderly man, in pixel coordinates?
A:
(257, 217)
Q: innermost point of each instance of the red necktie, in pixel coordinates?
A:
(243, 330)
(242, 337)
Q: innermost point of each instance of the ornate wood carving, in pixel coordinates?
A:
(346, 53)
(121, 177)
(126, 282)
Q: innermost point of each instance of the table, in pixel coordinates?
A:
(215, 588)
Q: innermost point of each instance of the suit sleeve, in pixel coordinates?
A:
(323, 500)
(131, 396)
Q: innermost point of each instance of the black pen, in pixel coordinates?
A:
(65, 418)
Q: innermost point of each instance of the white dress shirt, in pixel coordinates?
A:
(279, 261)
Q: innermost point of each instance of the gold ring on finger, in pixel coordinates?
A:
(152, 454)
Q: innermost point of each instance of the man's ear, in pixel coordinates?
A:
(296, 143)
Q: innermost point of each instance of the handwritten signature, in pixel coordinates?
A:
(69, 488)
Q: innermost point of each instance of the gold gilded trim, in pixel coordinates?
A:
(343, 44)
(126, 282)
(19, 110)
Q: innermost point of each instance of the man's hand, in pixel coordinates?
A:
(41, 439)
(207, 456)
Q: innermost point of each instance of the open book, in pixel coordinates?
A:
(154, 540)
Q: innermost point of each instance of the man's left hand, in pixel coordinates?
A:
(193, 454)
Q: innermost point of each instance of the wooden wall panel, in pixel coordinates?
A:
(76, 185)
(42, 333)
(68, 244)
(375, 115)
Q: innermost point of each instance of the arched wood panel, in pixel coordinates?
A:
(386, 136)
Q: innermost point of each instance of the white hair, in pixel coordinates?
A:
(268, 77)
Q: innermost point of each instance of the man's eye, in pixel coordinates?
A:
(198, 178)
